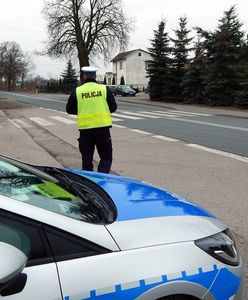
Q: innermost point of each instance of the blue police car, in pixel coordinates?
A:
(69, 234)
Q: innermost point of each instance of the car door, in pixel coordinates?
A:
(39, 279)
(78, 261)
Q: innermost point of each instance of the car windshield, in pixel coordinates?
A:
(127, 88)
(57, 193)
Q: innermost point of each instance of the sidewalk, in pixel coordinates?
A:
(16, 142)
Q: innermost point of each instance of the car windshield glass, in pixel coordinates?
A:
(57, 194)
(127, 88)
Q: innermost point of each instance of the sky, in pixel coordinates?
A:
(22, 22)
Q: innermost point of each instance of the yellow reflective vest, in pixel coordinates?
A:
(93, 110)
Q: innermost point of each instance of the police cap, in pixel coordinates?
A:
(88, 70)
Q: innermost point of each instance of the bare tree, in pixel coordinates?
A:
(14, 64)
(11, 62)
(26, 66)
(1, 63)
(89, 27)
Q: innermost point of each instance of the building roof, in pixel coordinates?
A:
(123, 55)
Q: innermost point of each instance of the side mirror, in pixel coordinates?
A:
(12, 262)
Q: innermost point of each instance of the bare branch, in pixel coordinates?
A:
(91, 27)
(14, 64)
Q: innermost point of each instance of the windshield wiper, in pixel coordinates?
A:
(7, 176)
(16, 176)
(84, 193)
(72, 185)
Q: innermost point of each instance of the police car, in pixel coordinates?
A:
(77, 235)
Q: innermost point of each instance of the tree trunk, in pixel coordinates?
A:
(22, 81)
(83, 61)
(83, 54)
(9, 84)
(83, 58)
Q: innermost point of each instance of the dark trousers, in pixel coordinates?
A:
(101, 139)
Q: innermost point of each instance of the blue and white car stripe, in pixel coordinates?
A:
(212, 280)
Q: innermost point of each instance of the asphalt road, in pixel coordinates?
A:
(222, 132)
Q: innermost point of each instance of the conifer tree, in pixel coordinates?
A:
(180, 52)
(159, 65)
(223, 54)
(192, 82)
(241, 95)
(69, 77)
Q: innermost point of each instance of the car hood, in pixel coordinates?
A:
(148, 215)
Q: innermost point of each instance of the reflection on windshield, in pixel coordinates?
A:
(127, 88)
(23, 185)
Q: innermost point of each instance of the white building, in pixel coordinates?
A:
(132, 66)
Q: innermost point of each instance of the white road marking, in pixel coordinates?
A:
(160, 114)
(33, 97)
(52, 110)
(63, 120)
(188, 113)
(126, 117)
(219, 152)
(138, 114)
(16, 125)
(140, 131)
(199, 147)
(22, 123)
(210, 124)
(41, 121)
(165, 138)
(116, 119)
(75, 117)
(72, 116)
(118, 126)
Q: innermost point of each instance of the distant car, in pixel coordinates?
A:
(69, 234)
(124, 90)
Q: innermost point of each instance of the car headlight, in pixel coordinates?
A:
(221, 246)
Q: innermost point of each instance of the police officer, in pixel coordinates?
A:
(93, 104)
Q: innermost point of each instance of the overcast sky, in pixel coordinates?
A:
(21, 21)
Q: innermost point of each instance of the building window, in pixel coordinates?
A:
(139, 54)
(120, 65)
(146, 65)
